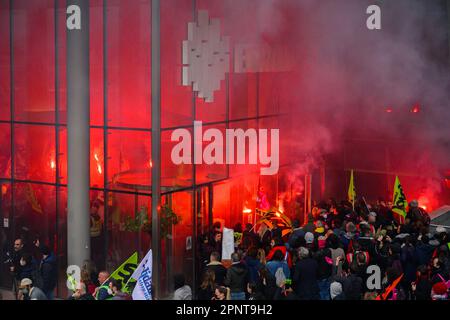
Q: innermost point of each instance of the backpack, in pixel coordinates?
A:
(279, 276)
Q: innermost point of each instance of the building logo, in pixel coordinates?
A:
(206, 56)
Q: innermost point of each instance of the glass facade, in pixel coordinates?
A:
(33, 132)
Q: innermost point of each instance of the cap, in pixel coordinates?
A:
(309, 237)
(25, 282)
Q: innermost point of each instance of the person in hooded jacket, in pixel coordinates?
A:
(48, 271)
(182, 291)
(237, 278)
(253, 263)
(305, 276)
(421, 288)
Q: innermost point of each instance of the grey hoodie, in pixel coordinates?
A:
(183, 293)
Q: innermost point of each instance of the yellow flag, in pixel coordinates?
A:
(351, 191)
(124, 272)
(399, 202)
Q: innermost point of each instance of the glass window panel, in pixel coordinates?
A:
(34, 60)
(177, 249)
(176, 100)
(5, 79)
(96, 61)
(35, 212)
(173, 176)
(61, 243)
(243, 94)
(269, 93)
(211, 172)
(129, 162)
(5, 230)
(129, 63)
(5, 150)
(97, 161)
(61, 61)
(34, 157)
(125, 235)
(242, 169)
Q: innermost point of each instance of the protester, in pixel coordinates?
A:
(103, 292)
(217, 267)
(237, 278)
(305, 276)
(29, 292)
(182, 290)
(116, 288)
(48, 272)
(81, 293)
(207, 287)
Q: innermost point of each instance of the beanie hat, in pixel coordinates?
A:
(309, 237)
(440, 230)
(335, 289)
(440, 288)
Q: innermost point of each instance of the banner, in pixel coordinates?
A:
(227, 243)
(351, 191)
(124, 272)
(143, 275)
(399, 202)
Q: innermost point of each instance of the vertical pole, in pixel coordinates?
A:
(156, 143)
(78, 237)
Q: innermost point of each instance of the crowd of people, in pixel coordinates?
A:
(34, 272)
(330, 257)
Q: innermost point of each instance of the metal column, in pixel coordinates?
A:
(156, 145)
(78, 236)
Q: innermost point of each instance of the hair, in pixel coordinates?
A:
(252, 252)
(217, 225)
(278, 256)
(262, 256)
(208, 281)
(361, 258)
(85, 277)
(238, 227)
(332, 241)
(27, 257)
(252, 286)
(116, 283)
(223, 290)
(277, 241)
(296, 223)
(44, 250)
(235, 257)
(179, 281)
(303, 253)
(215, 255)
(248, 226)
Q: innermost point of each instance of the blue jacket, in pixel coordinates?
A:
(48, 273)
(273, 266)
(253, 266)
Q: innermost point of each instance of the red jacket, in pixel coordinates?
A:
(287, 255)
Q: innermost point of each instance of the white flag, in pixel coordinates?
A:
(143, 275)
(139, 268)
(227, 243)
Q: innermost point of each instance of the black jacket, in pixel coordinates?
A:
(305, 279)
(219, 270)
(237, 277)
(49, 273)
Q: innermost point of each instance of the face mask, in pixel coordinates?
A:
(110, 292)
(25, 291)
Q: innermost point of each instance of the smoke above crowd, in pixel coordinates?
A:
(388, 87)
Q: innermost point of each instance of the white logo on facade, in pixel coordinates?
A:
(206, 56)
